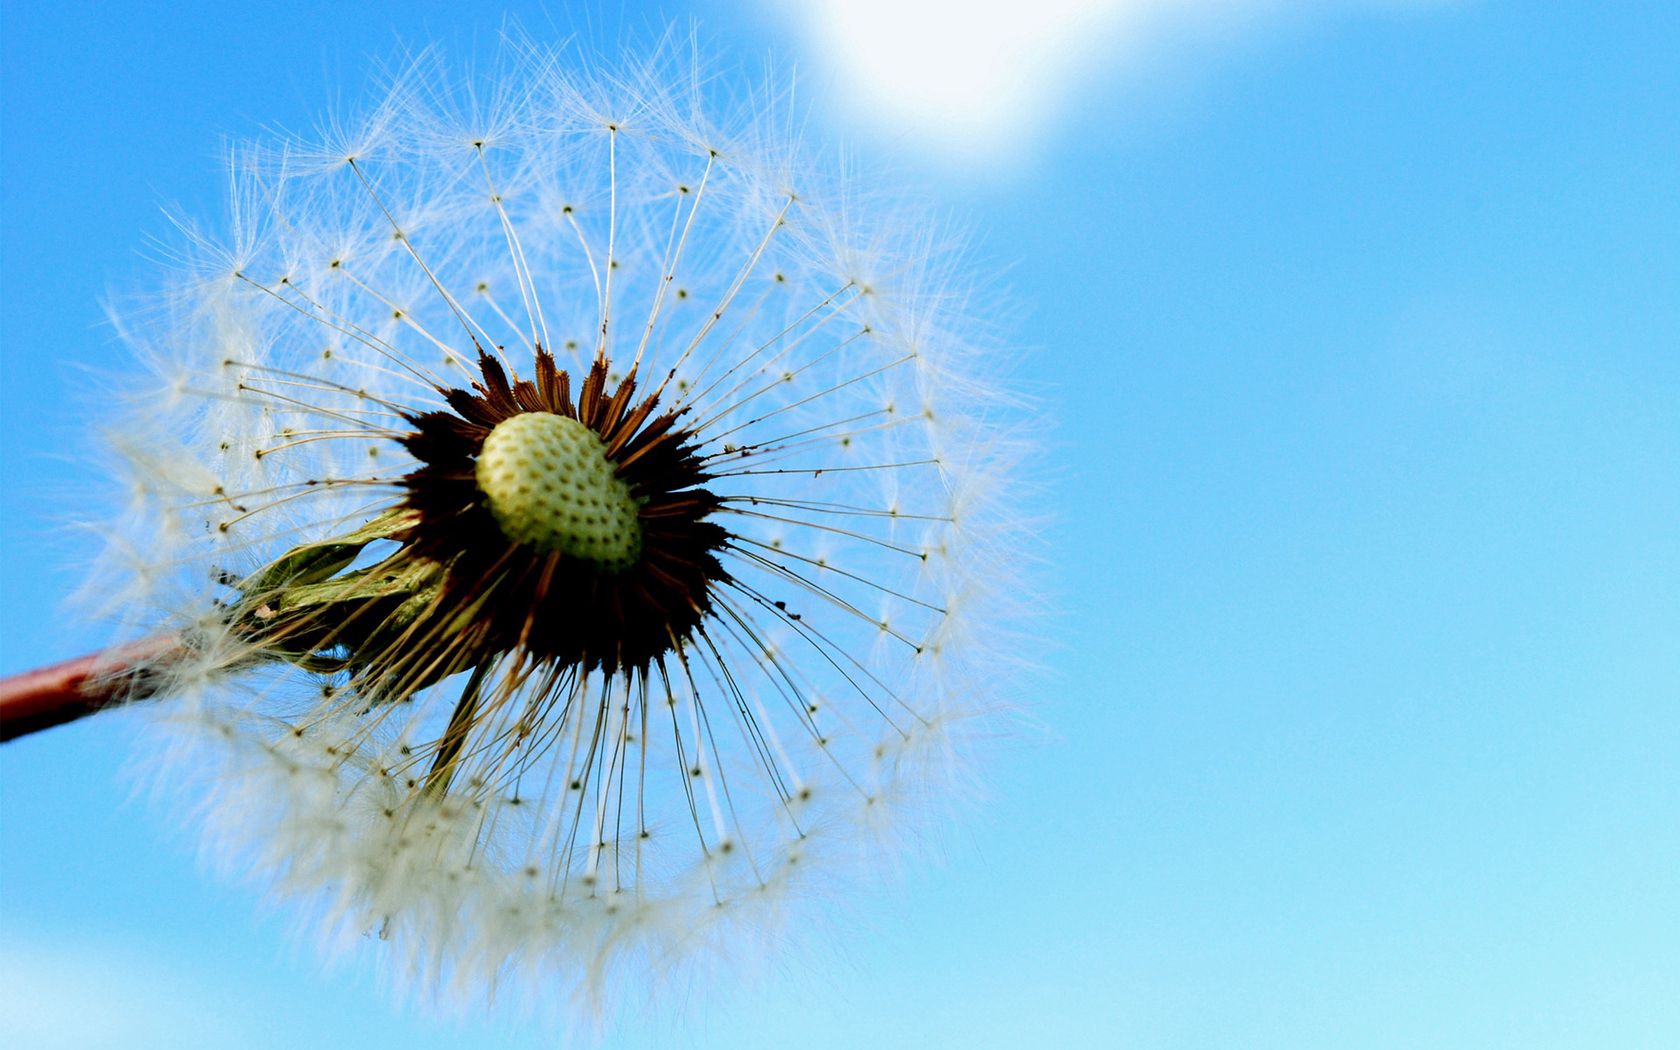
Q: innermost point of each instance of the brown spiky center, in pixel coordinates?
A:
(582, 520)
(573, 532)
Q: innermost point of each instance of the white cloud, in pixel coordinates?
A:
(980, 78)
(961, 73)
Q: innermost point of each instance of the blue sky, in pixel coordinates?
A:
(1356, 331)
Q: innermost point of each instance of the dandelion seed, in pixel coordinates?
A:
(580, 529)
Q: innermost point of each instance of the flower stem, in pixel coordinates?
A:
(63, 692)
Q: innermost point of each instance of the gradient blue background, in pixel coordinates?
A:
(1359, 335)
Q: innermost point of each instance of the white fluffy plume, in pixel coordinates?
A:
(500, 815)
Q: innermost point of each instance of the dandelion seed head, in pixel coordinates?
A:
(589, 524)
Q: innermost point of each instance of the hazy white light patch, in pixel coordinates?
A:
(967, 75)
(985, 78)
(961, 73)
(73, 996)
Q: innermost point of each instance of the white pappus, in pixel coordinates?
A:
(585, 527)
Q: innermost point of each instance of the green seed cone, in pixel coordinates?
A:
(551, 485)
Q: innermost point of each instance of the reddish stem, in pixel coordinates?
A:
(50, 696)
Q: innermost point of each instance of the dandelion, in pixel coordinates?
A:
(578, 529)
